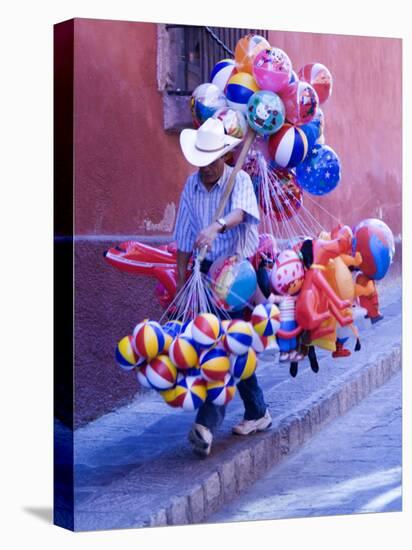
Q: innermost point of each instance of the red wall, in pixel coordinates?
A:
(127, 170)
(363, 120)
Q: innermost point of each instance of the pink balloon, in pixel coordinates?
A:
(301, 102)
(272, 69)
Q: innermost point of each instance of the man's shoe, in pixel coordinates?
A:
(247, 427)
(201, 439)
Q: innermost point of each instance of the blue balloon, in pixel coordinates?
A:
(311, 131)
(320, 172)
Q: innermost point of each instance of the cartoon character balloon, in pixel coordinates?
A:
(301, 102)
(265, 112)
(319, 77)
(287, 280)
(272, 69)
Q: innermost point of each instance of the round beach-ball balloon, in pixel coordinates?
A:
(225, 323)
(234, 122)
(320, 172)
(214, 364)
(272, 69)
(206, 329)
(173, 327)
(288, 147)
(265, 112)
(238, 337)
(169, 397)
(240, 88)
(161, 373)
(125, 355)
(206, 99)
(168, 341)
(243, 366)
(247, 49)
(142, 377)
(183, 352)
(260, 343)
(266, 319)
(375, 241)
(135, 331)
(186, 329)
(380, 225)
(190, 392)
(220, 392)
(232, 282)
(221, 73)
(301, 102)
(319, 77)
(149, 339)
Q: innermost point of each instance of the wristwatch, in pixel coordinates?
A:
(222, 222)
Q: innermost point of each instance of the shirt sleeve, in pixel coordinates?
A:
(243, 196)
(183, 233)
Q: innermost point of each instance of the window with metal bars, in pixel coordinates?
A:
(186, 57)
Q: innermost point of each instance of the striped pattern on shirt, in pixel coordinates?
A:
(197, 209)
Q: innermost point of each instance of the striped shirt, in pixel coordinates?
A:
(198, 207)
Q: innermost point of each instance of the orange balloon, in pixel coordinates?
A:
(247, 49)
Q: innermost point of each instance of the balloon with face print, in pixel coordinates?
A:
(265, 112)
(272, 69)
(301, 102)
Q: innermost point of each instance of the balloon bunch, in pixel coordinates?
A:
(259, 88)
(318, 297)
(200, 360)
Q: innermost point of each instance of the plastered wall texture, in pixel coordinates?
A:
(129, 172)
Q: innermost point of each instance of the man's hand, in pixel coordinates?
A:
(208, 235)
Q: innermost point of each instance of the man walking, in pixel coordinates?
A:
(235, 232)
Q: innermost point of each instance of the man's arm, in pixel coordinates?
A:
(209, 233)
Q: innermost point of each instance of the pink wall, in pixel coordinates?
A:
(363, 120)
(127, 168)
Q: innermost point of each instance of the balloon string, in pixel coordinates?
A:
(196, 295)
(322, 208)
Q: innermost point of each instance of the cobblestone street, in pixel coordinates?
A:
(352, 466)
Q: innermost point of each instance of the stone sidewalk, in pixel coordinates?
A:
(134, 467)
(354, 465)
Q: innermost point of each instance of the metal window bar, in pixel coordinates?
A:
(201, 49)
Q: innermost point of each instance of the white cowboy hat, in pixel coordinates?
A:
(206, 144)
